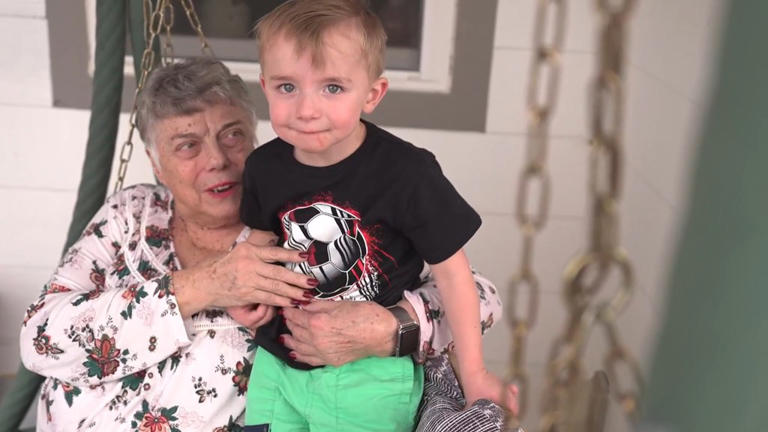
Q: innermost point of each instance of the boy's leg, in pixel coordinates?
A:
(372, 394)
(265, 401)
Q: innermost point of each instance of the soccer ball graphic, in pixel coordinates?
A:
(336, 246)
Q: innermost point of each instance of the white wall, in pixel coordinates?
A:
(672, 46)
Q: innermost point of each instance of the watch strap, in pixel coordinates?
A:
(407, 336)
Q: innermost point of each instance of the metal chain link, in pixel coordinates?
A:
(194, 21)
(157, 19)
(586, 274)
(153, 23)
(168, 54)
(544, 76)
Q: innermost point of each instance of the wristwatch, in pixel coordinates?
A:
(407, 338)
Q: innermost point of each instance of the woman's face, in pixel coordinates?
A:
(200, 158)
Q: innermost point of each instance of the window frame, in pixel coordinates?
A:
(454, 71)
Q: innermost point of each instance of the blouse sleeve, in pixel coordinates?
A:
(95, 321)
(436, 338)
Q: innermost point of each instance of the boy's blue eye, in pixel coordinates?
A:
(286, 88)
(334, 89)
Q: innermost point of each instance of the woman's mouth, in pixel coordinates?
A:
(222, 189)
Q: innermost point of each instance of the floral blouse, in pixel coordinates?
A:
(107, 333)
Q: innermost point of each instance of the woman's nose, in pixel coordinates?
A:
(216, 156)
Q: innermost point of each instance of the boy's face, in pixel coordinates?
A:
(317, 109)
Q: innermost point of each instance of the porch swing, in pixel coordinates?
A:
(148, 21)
(152, 20)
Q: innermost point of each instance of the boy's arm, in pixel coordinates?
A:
(456, 286)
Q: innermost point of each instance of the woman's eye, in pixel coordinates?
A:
(234, 137)
(186, 146)
(334, 89)
(286, 88)
(188, 149)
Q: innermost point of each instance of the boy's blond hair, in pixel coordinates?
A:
(308, 21)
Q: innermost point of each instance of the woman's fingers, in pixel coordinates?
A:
(322, 306)
(271, 299)
(262, 238)
(290, 341)
(301, 334)
(310, 360)
(266, 287)
(273, 254)
(301, 351)
(278, 272)
(297, 317)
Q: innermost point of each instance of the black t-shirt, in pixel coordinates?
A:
(368, 221)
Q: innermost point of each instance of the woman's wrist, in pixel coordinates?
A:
(406, 336)
(384, 344)
(405, 304)
(185, 287)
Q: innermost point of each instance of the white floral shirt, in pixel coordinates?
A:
(107, 333)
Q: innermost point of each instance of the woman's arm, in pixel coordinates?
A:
(336, 333)
(98, 319)
(95, 321)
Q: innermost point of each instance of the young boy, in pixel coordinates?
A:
(366, 206)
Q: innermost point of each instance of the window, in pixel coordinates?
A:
(228, 25)
(438, 55)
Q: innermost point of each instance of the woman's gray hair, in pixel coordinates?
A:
(185, 88)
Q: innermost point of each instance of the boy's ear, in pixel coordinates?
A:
(261, 81)
(375, 94)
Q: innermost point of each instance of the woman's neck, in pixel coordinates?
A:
(196, 242)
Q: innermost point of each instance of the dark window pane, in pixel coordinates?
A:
(402, 21)
(228, 26)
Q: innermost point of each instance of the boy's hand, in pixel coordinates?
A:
(485, 385)
(252, 316)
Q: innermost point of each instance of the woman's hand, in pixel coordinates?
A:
(250, 273)
(338, 332)
(252, 316)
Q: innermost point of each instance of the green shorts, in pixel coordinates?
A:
(372, 394)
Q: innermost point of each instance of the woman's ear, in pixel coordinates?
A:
(152, 155)
(375, 94)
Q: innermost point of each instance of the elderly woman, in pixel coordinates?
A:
(147, 322)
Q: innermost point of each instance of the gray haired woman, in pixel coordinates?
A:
(147, 322)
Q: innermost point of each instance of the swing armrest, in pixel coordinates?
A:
(443, 402)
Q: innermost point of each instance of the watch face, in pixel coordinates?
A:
(409, 340)
(408, 332)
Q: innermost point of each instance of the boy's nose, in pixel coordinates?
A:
(307, 108)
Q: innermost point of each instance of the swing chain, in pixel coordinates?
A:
(534, 183)
(194, 21)
(154, 17)
(158, 18)
(168, 55)
(587, 273)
